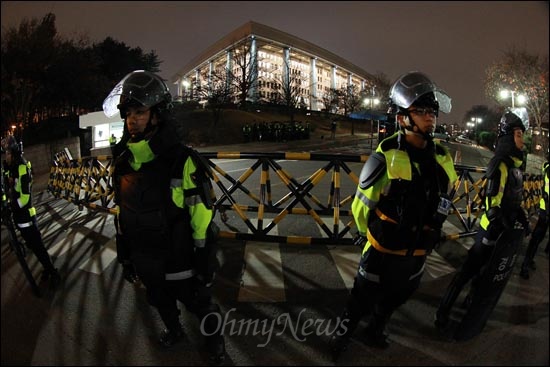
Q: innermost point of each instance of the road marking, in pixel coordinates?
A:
(436, 265)
(262, 279)
(346, 259)
(101, 259)
(73, 237)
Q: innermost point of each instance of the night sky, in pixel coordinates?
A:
(453, 42)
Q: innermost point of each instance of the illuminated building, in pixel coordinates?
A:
(270, 62)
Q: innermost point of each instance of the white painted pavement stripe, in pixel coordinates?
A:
(346, 259)
(58, 223)
(329, 222)
(72, 238)
(101, 259)
(262, 279)
(436, 265)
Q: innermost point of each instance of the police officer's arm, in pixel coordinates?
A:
(23, 185)
(496, 180)
(544, 198)
(197, 202)
(371, 181)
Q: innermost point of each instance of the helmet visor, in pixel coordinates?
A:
(412, 86)
(521, 112)
(138, 87)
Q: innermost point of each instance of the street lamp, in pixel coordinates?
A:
(371, 102)
(520, 97)
(475, 122)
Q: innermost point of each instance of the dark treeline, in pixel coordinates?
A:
(45, 76)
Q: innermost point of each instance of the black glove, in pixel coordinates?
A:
(204, 280)
(496, 225)
(129, 273)
(359, 240)
(522, 218)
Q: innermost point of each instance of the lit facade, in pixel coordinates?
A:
(271, 60)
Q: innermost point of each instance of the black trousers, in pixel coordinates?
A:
(383, 283)
(33, 240)
(536, 238)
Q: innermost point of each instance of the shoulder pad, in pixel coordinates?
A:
(374, 168)
(389, 143)
(494, 163)
(440, 149)
(493, 176)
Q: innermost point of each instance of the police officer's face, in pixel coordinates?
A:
(518, 138)
(137, 118)
(424, 118)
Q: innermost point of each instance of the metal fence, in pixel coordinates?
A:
(325, 193)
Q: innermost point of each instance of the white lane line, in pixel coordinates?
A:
(101, 259)
(262, 279)
(346, 259)
(73, 237)
(436, 265)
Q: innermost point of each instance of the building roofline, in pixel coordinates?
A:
(262, 31)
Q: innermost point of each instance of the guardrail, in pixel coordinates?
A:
(88, 182)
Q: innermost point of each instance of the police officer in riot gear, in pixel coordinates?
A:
(18, 195)
(164, 225)
(504, 194)
(540, 228)
(399, 208)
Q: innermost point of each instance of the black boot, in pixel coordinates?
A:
(375, 336)
(524, 273)
(215, 345)
(347, 323)
(169, 337)
(53, 276)
(449, 298)
(174, 331)
(215, 342)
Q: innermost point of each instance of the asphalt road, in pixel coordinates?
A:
(280, 301)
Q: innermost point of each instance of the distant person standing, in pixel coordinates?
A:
(112, 140)
(18, 182)
(333, 130)
(540, 228)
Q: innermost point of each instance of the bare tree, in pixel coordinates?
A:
(330, 100)
(218, 93)
(291, 86)
(349, 98)
(521, 72)
(243, 72)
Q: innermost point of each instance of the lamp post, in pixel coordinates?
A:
(475, 122)
(371, 102)
(520, 97)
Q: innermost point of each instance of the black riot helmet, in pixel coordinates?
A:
(416, 88)
(138, 88)
(10, 144)
(511, 119)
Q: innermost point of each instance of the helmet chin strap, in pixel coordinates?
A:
(411, 128)
(149, 128)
